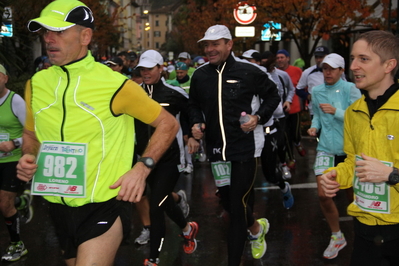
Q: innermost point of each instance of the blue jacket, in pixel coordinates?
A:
(340, 95)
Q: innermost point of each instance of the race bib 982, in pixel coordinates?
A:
(61, 170)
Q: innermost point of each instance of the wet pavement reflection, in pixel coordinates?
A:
(297, 236)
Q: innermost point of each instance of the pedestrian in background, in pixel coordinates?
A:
(274, 136)
(311, 77)
(293, 119)
(116, 64)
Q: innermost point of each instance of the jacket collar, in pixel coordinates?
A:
(80, 63)
(391, 103)
(229, 61)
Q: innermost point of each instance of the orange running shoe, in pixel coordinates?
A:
(190, 243)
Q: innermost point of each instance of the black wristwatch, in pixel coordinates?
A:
(147, 161)
(17, 143)
(393, 178)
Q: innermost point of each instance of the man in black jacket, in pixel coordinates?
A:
(220, 91)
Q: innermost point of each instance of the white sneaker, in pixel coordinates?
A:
(189, 169)
(144, 237)
(286, 172)
(202, 157)
(183, 203)
(336, 244)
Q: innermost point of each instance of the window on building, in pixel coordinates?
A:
(156, 23)
(157, 45)
(157, 34)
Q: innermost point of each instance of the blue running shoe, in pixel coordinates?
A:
(288, 198)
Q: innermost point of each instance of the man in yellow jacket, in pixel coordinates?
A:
(371, 135)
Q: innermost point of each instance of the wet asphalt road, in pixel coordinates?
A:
(297, 236)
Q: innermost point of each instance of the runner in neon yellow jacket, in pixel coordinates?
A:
(72, 113)
(78, 100)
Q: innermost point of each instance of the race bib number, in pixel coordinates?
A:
(4, 137)
(323, 162)
(61, 170)
(372, 197)
(221, 173)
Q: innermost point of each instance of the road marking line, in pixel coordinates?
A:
(293, 186)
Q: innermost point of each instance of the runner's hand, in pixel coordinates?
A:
(132, 183)
(7, 146)
(372, 170)
(312, 131)
(26, 167)
(193, 145)
(328, 183)
(198, 130)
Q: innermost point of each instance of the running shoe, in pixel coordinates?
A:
(189, 169)
(15, 251)
(259, 245)
(190, 243)
(288, 198)
(291, 164)
(183, 203)
(25, 208)
(286, 171)
(29, 194)
(144, 237)
(300, 149)
(336, 244)
(150, 262)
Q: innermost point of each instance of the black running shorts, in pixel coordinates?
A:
(8, 177)
(75, 225)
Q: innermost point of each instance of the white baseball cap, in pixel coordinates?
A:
(184, 55)
(334, 60)
(150, 58)
(216, 32)
(249, 53)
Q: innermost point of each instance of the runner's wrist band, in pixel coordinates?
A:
(17, 143)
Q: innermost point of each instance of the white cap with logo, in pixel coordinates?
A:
(334, 60)
(216, 32)
(150, 58)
